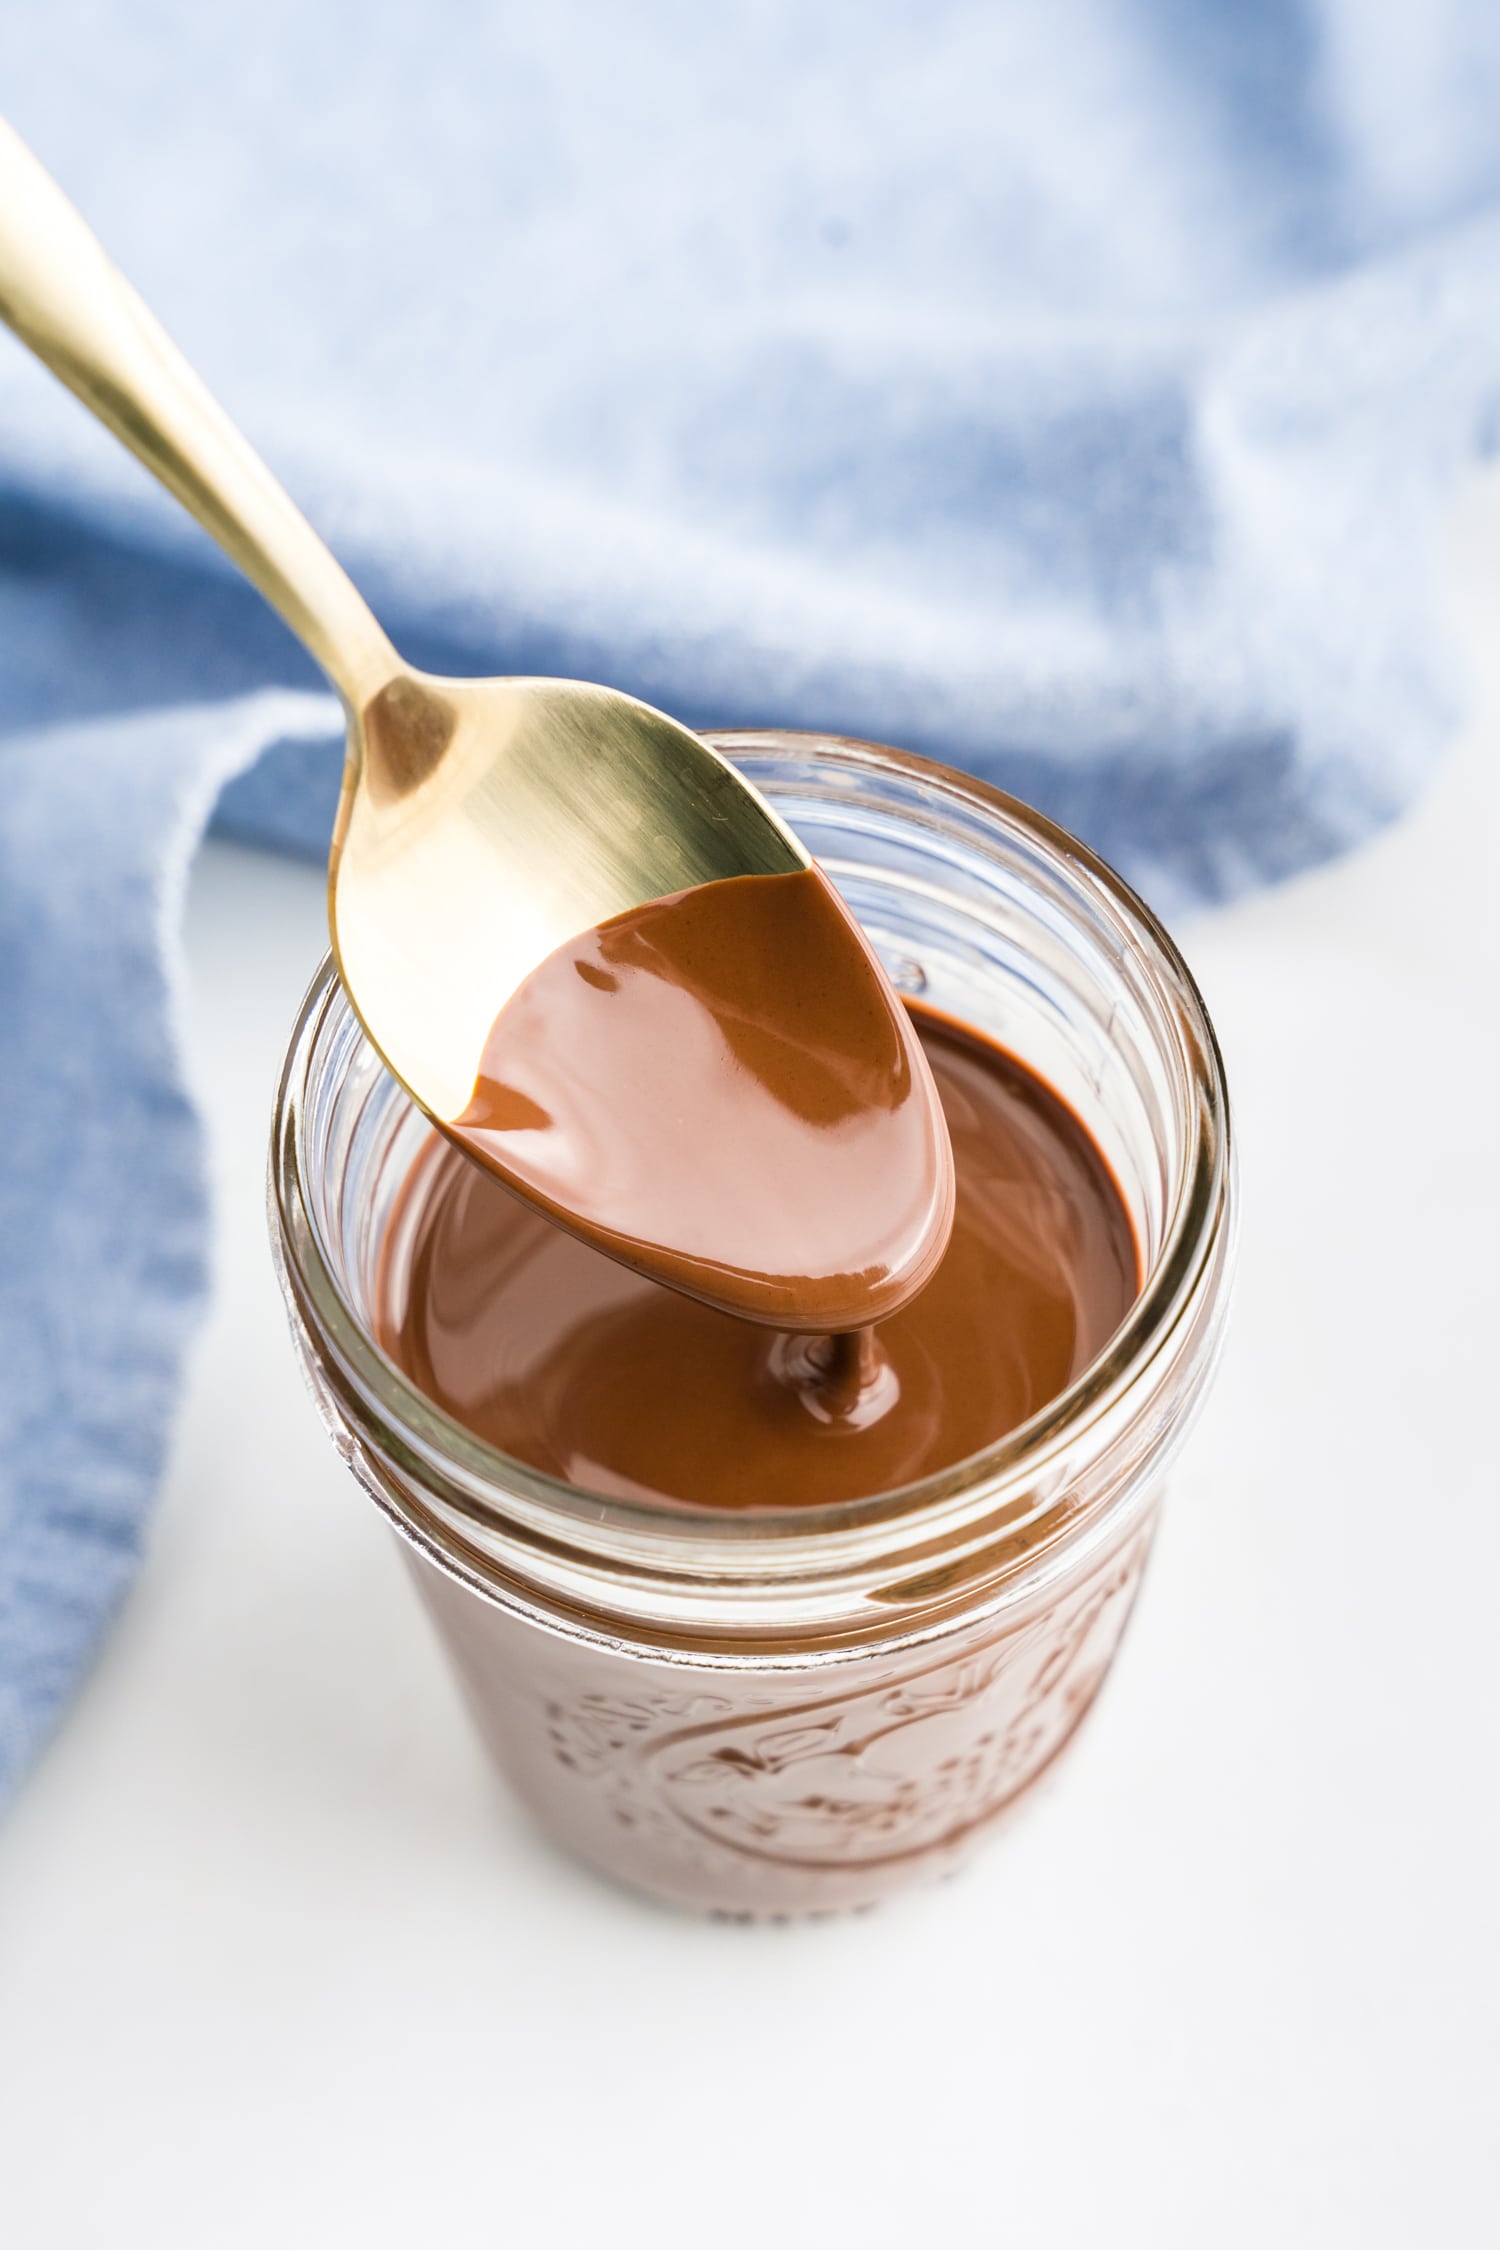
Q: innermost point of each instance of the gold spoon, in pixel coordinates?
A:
(482, 822)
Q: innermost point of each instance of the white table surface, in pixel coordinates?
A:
(280, 1964)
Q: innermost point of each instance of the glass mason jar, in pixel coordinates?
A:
(788, 1710)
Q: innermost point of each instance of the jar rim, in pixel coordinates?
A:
(1014, 1468)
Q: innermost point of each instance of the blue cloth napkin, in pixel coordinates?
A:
(1073, 391)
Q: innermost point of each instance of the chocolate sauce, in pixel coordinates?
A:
(564, 1358)
(722, 1090)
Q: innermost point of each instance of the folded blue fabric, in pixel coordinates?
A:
(1071, 391)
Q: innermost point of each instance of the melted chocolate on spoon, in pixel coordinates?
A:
(722, 1090)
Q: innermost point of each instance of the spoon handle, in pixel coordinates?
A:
(63, 298)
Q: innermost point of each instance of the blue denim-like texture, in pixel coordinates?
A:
(1071, 392)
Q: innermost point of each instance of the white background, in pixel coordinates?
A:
(280, 1964)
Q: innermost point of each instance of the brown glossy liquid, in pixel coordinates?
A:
(564, 1358)
(722, 1090)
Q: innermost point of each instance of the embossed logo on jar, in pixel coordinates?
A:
(855, 1780)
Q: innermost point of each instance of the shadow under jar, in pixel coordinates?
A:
(789, 1710)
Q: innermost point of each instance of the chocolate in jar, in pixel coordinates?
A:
(563, 1358)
